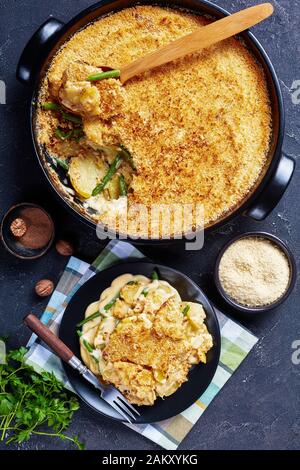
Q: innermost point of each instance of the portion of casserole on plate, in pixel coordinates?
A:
(143, 338)
(194, 131)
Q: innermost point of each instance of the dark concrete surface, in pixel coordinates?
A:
(259, 408)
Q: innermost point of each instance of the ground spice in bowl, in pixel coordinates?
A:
(39, 228)
(27, 231)
(254, 271)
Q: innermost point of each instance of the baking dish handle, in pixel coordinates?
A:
(37, 49)
(273, 192)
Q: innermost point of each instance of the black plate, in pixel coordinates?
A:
(199, 377)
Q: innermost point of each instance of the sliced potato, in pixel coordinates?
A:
(80, 97)
(100, 135)
(85, 173)
(196, 314)
(93, 130)
(129, 291)
(62, 87)
(120, 309)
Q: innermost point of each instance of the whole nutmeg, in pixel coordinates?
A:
(44, 287)
(18, 227)
(64, 248)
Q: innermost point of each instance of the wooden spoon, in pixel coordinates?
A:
(194, 42)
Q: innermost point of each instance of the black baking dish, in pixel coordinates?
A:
(53, 33)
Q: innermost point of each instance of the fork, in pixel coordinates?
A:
(108, 393)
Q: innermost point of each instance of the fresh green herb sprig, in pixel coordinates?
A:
(32, 403)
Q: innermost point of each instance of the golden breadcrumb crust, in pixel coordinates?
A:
(198, 128)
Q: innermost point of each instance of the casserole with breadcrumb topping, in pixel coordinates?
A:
(195, 131)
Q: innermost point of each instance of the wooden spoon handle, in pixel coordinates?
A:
(199, 39)
(48, 337)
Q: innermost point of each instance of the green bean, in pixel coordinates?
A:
(111, 303)
(186, 310)
(61, 163)
(122, 186)
(63, 135)
(88, 346)
(102, 75)
(79, 333)
(48, 106)
(111, 171)
(71, 117)
(78, 134)
(154, 276)
(89, 318)
(127, 155)
(77, 131)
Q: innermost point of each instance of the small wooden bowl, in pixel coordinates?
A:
(11, 243)
(247, 310)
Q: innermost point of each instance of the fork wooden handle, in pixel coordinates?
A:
(199, 39)
(43, 332)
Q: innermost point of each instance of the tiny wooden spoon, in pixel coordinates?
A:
(199, 39)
